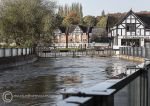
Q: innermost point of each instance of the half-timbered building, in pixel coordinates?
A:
(132, 30)
(60, 37)
(74, 36)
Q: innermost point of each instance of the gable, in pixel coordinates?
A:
(131, 18)
(57, 31)
(78, 30)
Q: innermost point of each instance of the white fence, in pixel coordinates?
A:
(10, 52)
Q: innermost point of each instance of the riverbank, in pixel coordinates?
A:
(7, 62)
(132, 58)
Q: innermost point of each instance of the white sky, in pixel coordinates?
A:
(95, 7)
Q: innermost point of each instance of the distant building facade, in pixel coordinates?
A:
(74, 36)
(132, 30)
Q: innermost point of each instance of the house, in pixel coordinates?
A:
(60, 36)
(132, 30)
(73, 36)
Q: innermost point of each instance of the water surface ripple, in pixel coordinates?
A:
(49, 76)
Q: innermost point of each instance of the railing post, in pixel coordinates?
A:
(21, 51)
(125, 50)
(144, 88)
(120, 50)
(4, 52)
(30, 50)
(143, 52)
(25, 51)
(16, 51)
(128, 49)
(148, 83)
(11, 52)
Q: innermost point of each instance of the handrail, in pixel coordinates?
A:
(109, 88)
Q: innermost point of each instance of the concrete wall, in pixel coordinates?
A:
(10, 52)
(7, 62)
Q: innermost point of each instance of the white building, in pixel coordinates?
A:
(132, 30)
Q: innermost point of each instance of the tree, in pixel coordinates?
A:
(99, 35)
(103, 13)
(89, 20)
(58, 20)
(71, 19)
(65, 11)
(24, 21)
(102, 22)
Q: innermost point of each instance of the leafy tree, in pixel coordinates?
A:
(58, 20)
(102, 22)
(27, 21)
(89, 20)
(99, 35)
(71, 19)
(65, 11)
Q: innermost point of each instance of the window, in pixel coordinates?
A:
(130, 42)
(130, 27)
(84, 40)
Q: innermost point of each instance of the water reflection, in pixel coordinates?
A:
(49, 76)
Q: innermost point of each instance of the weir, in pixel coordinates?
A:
(73, 52)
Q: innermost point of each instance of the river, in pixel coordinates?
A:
(39, 83)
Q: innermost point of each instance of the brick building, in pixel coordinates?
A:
(73, 36)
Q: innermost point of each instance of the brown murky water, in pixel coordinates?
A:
(39, 83)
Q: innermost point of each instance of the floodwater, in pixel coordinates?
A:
(40, 83)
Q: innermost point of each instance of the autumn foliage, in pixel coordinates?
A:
(71, 19)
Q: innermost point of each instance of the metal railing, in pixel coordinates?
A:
(11, 52)
(132, 90)
(135, 51)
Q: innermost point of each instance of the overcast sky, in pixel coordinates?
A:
(94, 7)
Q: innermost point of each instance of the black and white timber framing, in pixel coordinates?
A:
(132, 30)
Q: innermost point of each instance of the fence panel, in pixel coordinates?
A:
(19, 51)
(28, 51)
(14, 52)
(135, 51)
(132, 51)
(130, 95)
(7, 52)
(120, 50)
(24, 51)
(143, 52)
(129, 51)
(2, 52)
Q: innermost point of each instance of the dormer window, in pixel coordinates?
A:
(130, 27)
